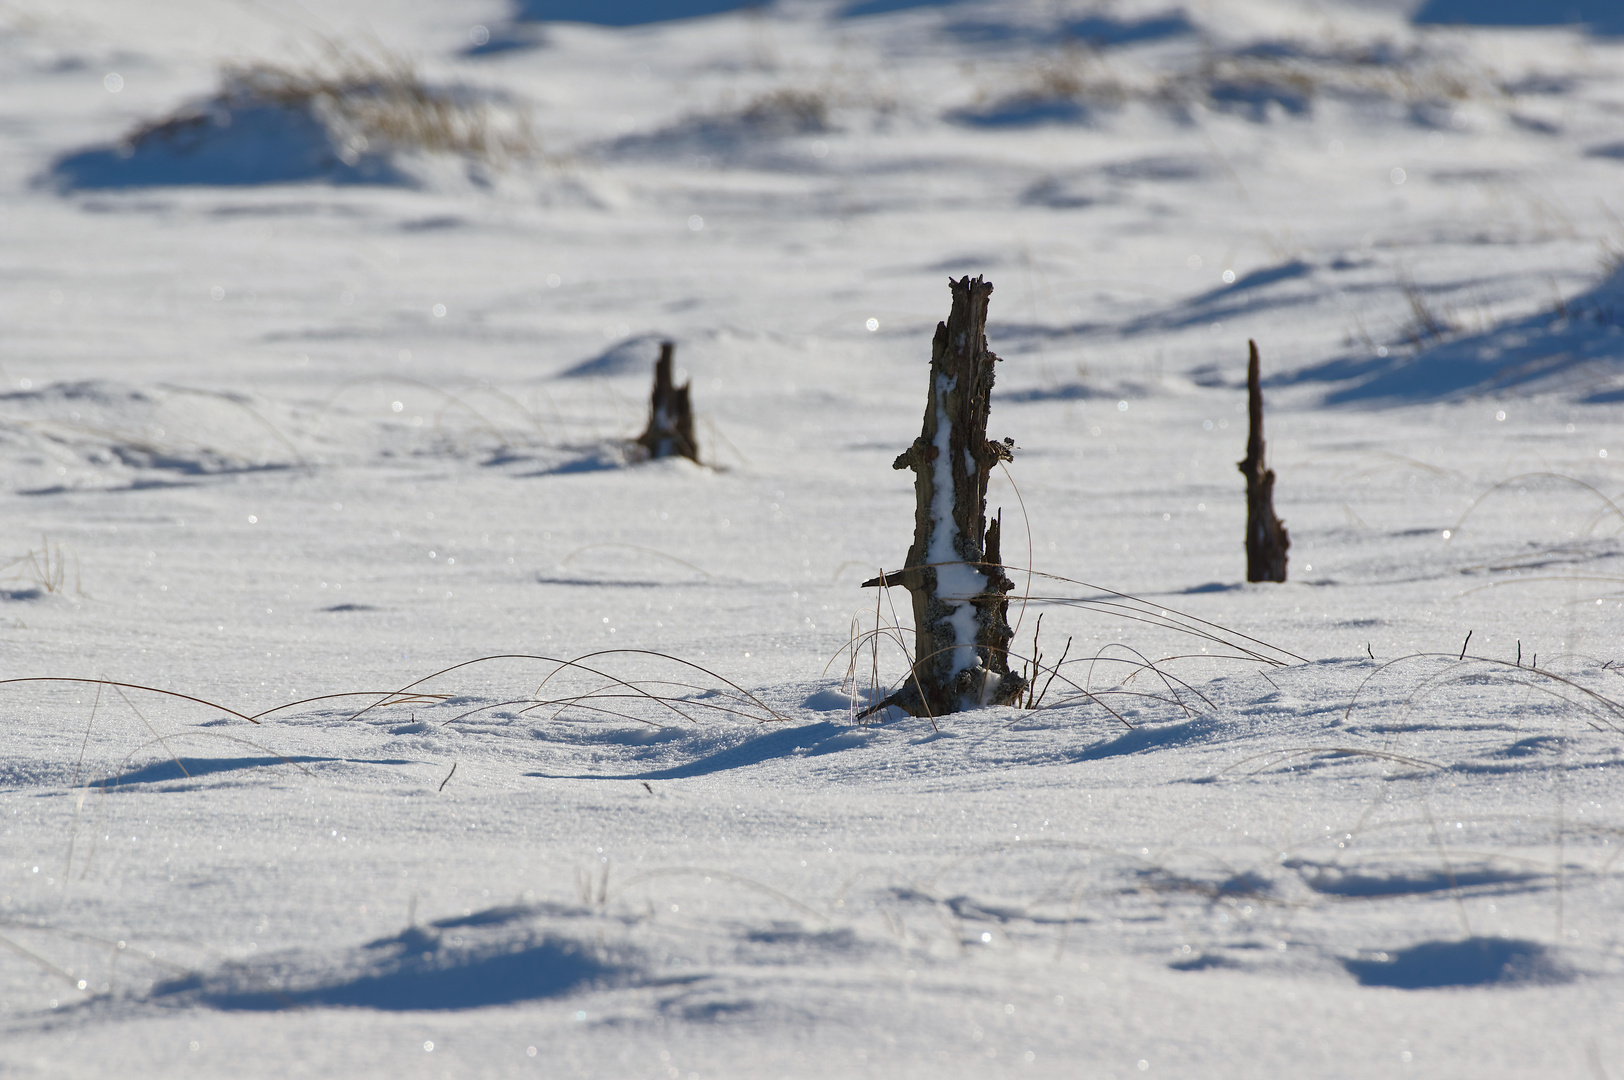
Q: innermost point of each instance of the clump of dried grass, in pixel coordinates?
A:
(1077, 74)
(1286, 74)
(788, 111)
(1381, 71)
(1428, 323)
(369, 102)
(45, 569)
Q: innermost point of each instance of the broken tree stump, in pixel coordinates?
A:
(954, 569)
(1266, 539)
(670, 415)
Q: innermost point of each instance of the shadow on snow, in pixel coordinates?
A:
(417, 969)
(1599, 16)
(1476, 961)
(169, 770)
(1576, 348)
(809, 740)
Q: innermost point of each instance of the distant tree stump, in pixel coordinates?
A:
(954, 569)
(670, 430)
(1266, 539)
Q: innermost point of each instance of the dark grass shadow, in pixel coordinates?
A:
(169, 770)
(1024, 111)
(1065, 392)
(630, 356)
(624, 12)
(417, 971)
(1148, 737)
(598, 583)
(885, 7)
(1094, 31)
(603, 459)
(1335, 881)
(260, 144)
(1476, 961)
(1570, 349)
(809, 740)
(1598, 16)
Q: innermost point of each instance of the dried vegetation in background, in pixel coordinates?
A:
(1268, 76)
(369, 102)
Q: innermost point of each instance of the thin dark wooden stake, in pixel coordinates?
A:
(1465, 643)
(1266, 539)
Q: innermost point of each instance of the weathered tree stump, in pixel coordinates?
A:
(670, 415)
(954, 569)
(1266, 539)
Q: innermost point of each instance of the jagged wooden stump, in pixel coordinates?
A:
(954, 569)
(1266, 539)
(670, 430)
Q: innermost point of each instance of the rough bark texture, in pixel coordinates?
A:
(954, 569)
(1266, 539)
(670, 415)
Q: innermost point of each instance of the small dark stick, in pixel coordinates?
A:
(448, 777)
(1465, 643)
(1266, 539)
(1519, 652)
(670, 414)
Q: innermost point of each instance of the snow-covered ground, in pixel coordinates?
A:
(313, 422)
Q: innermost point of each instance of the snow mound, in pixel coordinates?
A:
(107, 436)
(753, 132)
(1577, 349)
(496, 957)
(628, 356)
(1262, 80)
(359, 124)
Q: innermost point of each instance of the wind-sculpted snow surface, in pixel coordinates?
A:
(1577, 348)
(369, 711)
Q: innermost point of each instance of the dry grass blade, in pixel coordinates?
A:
(1610, 711)
(766, 713)
(129, 686)
(1282, 755)
(236, 739)
(45, 567)
(720, 875)
(391, 699)
(1608, 505)
(379, 97)
(635, 547)
(448, 401)
(1127, 606)
(39, 961)
(1142, 664)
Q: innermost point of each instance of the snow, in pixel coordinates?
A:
(955, 578)
(373, 715)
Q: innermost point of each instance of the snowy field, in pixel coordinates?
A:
(323, 332)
